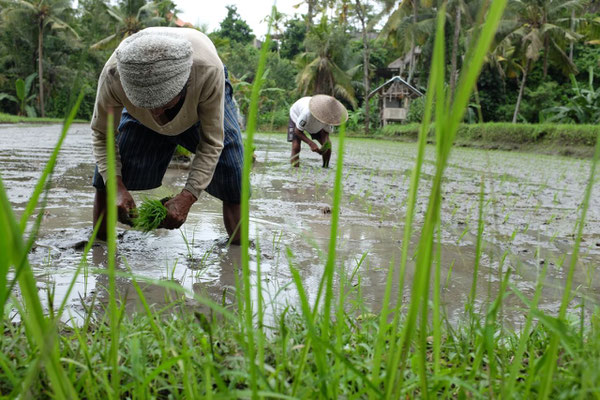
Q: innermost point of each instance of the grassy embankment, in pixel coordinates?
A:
(332, 348)
(14, 119)
(561, 139)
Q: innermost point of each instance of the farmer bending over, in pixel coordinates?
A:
(168, 87)
(315, 115)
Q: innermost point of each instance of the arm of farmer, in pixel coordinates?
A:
(107, 103)
(313, 146)
(210, 110)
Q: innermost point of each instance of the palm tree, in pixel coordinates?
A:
(407, 29)
(320, 72)
(314, 6)
(361, 10)
(468, 17)
(47, 15)
(130, 20)
(536, 25)
(462, 13)
(276, 21)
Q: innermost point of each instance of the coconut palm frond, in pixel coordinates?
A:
(104, 43)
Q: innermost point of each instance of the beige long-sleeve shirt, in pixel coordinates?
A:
(204, 102)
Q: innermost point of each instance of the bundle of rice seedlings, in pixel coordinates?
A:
(326, 146)
(150, 214)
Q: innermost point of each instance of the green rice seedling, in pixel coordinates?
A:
(189, 244)
(478, 252)
(326, 146)
(150, 215)
(111, 239)
(182, 151)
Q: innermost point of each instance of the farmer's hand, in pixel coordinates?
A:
(178, 208)
(314, 147)
(125, 203)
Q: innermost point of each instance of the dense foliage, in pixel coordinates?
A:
(537, 70)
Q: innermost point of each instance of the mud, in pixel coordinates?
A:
(531, 205)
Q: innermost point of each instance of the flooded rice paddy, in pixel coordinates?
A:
(531, 206)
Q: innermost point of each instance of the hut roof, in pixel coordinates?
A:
(397, 63)
(397, 79)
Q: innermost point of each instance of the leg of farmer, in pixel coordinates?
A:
(100, 212)
(232, 218)
(145, 156)
(227, 180)
(295, 159)
(325, 142)
(295, 141)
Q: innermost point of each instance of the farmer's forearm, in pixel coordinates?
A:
(205, 161)
(303, 136)
(100, 154)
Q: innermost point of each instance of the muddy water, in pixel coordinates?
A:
(531, 205)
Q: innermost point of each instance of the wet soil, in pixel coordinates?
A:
(531, 206)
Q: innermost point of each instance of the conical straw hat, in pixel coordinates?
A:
(327, 109)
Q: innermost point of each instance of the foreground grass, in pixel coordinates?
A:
(329, 348)
(179, 355)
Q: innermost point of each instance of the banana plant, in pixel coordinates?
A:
(23, 96)
(583, 106)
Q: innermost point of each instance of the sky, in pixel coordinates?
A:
(212, 12)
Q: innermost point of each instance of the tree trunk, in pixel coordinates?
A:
(546, 50)
(40, 67)
(454, 61)
(411, 66)
(478, 101)
(309, 15)
(366, 81)
(572, 30)
(521, 90)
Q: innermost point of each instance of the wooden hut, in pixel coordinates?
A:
(394, 99)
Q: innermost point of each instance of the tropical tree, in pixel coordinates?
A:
(314, 7)
(47, 15)
(536, 26)
(362, 9)
(234, 28)
(468, 16)
(320, 72)
(276, 20)
(130, 17)
(408, 28)
(459, 14)
(293, 38)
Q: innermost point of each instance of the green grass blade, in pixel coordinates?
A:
(425, 244)
(111, 241)
(437, 304)
(331, 255)
(245, 211)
